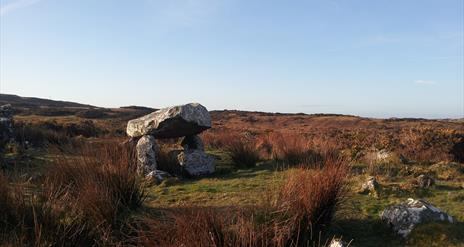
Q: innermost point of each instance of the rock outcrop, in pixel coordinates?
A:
(171, 122)
(6, 125)
(178, 121)
(404, 217)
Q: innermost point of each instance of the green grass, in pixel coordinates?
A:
(358, 218)
(228, 187)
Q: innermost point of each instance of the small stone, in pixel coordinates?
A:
(159, 176)
(337, 243)
(424, 181)
(371, 187)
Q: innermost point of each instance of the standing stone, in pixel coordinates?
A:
(193, 142)
(171, 122)
(196, 162)
(146, 154)
(404, 217)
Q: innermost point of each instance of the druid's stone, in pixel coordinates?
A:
(146, 154)
(171, 122)
(405, 216)
(196, 162)
(192, 142)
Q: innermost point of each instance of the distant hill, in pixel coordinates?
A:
(31, 102)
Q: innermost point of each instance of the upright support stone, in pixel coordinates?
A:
(196, 162)
(146, 154)
(193, 142)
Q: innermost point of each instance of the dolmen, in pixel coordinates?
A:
(185, 121)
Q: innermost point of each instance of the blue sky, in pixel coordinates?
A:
(390, 58)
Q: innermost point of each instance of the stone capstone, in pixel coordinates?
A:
(404, 217)
(196, 162)
(146, 154)
(171, 122)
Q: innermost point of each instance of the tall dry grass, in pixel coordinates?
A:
(83, 200)
(296, 215)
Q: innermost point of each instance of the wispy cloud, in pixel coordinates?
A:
(16, 4)
(424, 82)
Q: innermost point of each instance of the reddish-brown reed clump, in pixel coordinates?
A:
(96, 190)
(292, 150)
(311, 196)
(293, 216)
(243, 151)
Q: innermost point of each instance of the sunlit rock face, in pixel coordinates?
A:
(172, 122)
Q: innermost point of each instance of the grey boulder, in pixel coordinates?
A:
(196, 162)
(146, 154)
(171, 122)
(404, 217)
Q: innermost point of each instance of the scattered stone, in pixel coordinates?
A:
(424, 181)
(171, 122)
(371, 187)
(337, 243)
(146, 154)
(196, 162)
(159, 176)
(383, 155)
(404, 217)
